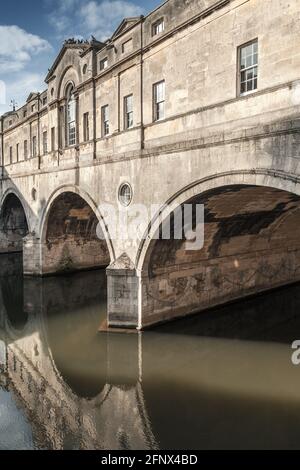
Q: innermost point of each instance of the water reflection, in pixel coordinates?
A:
(223, 379)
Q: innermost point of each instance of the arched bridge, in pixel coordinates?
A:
(236, 153)
(251, 233)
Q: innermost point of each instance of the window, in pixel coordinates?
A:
(45, 143)
(127, 46)
(103, 64)
(159, 101)
(10, 123)
(10, 155)
(25, 113)
(128, 112)
(71, 116)
(33, 108)
(86, 129)
(158, 27)
(17, 149)
(248, 64)
(125, 194)
(105, 120)
(84, 69)
(44, 101)
(52, 139)
(34, 147)
(25, 149)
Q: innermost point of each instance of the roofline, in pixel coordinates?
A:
(117, 34)
(156, 9)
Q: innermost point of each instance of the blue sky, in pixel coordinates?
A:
(32, 32)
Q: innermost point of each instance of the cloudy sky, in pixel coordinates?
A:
(32, 32)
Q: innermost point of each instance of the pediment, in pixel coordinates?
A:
(80, 46)
(31, 97)
(126, 24)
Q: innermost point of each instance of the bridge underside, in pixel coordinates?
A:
(71, 241)
(13, 225)
(251, 244)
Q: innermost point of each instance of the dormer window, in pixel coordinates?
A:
(33, 108)
(71, 116)
(103, 64)
(158, 27)
(44, 101)
(127, 46)
(25, 113)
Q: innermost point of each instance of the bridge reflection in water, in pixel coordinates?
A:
(223, 379)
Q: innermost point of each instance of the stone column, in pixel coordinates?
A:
(32, 256)
(123, 294)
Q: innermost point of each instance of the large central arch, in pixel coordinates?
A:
(252, 244)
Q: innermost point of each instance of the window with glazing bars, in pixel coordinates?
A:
(128, 111)
(248, 60)
(105, 120)
(45, 142)
(159, 100)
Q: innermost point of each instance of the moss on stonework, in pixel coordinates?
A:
(66, 263)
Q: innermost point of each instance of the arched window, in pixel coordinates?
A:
(71, 116)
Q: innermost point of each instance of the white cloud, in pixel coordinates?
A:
(101, 18)
(20, 87)
(78, 18)
(18, 47)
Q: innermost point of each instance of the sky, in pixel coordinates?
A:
(32, 33)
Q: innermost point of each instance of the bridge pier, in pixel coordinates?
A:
(123, 294)
(32, 249)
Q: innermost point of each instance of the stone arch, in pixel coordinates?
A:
(14, 222)
(251, 223)
(69, 75)
(73, 234)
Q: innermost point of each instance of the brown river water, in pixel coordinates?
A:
(220, 380)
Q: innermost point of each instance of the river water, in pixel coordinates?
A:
(220, 380)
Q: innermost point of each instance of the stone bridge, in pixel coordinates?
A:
(236, 152)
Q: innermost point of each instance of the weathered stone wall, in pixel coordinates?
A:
(13, 225)
(252, 243)
(71, 240)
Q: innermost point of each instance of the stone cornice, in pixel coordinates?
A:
(270, 131)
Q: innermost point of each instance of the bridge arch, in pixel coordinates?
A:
(251, 244)
(14, 221)
(69, 233)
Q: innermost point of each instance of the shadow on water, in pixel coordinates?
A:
(12, 291)
(272, 316)
(222, 379)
